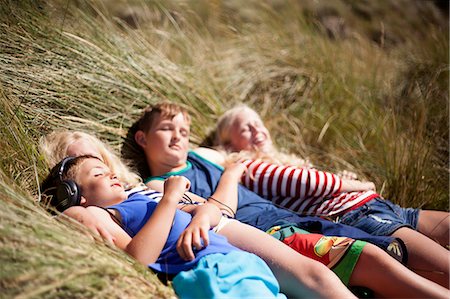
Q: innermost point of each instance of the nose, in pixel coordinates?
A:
(254, 129)
(176, 135)
(112, 175)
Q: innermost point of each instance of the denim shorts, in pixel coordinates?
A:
(381, 217)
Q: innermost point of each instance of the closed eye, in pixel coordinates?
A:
(245, 129)
(184, 133)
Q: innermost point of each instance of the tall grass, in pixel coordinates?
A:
(365, 98)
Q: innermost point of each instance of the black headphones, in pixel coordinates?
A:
(68, 192)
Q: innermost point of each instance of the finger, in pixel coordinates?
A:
(106, 235)
(187, 247)
(196, 240)
(183, 249)
(205, 237)
(180, 248)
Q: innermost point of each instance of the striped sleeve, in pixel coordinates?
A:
(270, 180)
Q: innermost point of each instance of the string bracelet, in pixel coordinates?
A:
(227, 208)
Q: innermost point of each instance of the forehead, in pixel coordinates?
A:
(90, 163)
(177, 119)
(246, 116)
(81, 147)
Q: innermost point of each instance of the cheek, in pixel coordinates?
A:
(185, 142)
(266, 132)
(161, 138)
(95, 192)
(240, 143)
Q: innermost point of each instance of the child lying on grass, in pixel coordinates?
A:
(280, 258)
(163, 134)
(241, 131)
(219, 269)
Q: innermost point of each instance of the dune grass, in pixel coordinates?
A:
(372, 98)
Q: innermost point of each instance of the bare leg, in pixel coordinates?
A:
(426, 257)
(435, 225)
(388, 278)
(287, 264)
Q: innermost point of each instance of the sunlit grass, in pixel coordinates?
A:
(373, 104)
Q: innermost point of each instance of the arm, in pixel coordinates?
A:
(355, 185)
(225, 196)
(205, 216)
(347, 175)
(271, 180)
(197, 230)
(86, 218)
(149, 241)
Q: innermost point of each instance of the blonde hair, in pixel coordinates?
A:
(54, 148)
(223, 139)
(223, 136)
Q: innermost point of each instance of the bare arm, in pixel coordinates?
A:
(149, 241)
(196, 234)
(204, 217)
(355, 185)
(82, 215)
(226, 194)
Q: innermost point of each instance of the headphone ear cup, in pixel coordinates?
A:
(67, 195)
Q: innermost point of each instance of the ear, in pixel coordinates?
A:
(140, 139)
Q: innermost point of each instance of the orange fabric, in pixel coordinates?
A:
(327, 250)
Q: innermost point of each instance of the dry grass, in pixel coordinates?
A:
(365, 98)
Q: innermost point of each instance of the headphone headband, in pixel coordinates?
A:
(65, 193)
(63, 166)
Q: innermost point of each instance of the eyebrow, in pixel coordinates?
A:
(95, 168)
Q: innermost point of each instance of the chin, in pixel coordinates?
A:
(266, 148)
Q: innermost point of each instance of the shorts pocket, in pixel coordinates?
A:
(354, 217)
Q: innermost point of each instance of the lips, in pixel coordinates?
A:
(175, 146)
(259, 141)
(117, 185)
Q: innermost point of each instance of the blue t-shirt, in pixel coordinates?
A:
(252, 208)
(259, 212)
(138, 208)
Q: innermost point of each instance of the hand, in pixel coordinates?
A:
(347, 175)
(355, 185)
(237, 170)
(175, 186)
(192, 237)
(369, 186)
(82, 215)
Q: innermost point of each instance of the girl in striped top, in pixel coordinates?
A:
(294, 184)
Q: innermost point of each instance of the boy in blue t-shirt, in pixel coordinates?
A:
(149, 232)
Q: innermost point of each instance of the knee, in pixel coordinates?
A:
(318, 272)
(372, 254)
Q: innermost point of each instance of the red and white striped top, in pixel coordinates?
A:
(303, 190)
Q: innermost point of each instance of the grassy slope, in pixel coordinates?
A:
(346, 102)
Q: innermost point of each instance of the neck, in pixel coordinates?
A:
(157, 169)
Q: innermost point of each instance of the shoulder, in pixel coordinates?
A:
(210, 154)
(157, 185)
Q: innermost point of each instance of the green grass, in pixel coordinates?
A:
(372, 99)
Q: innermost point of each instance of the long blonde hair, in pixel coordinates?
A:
(223, 139)
(54, 148)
